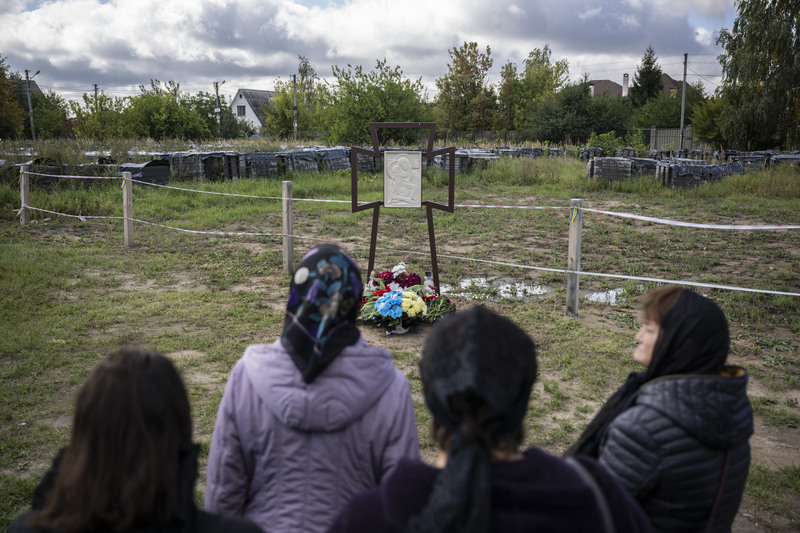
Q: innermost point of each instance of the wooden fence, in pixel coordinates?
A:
(287, 226)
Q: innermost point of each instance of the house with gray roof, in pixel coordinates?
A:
(671, 87)
(247, 104)
(607, 87)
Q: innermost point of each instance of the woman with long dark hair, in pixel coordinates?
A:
(130, 464)
(477, 370)
(676, 435)
(313, 418)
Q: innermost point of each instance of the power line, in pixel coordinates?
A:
(706, 79)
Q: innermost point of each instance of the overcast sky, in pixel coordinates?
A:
(120, 44)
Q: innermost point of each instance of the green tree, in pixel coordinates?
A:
(279, 119)
(510, 97)
(466, 101)
(539, 79)
(205, 105)
(647, 79)
(100, 116)
(661, 111)
(50, 112)
(664, 111)
(761, 75)
(306, 83)
(381, 95)
(563, 117)
(706, 121)
(609, 113)
(163, 112)
(542, 77)
(11, 114)
(310, 97)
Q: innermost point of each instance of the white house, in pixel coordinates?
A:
(247, 104)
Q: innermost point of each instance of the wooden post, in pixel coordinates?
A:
(24, 196)
(127, 208)
(288, 228)
(574, 254)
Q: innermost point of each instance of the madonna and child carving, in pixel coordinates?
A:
(402, 179)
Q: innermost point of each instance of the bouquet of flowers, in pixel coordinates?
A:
(399, 301)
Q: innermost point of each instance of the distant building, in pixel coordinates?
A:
(20, 87)
(607, 87)
(247, 104)
(671, 87)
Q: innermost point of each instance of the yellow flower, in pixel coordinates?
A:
(413, 305)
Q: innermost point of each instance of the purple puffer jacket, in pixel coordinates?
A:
(289, 455)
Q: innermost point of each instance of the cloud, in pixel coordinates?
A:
(590, 13)
(704, 36)
(629, 21)
(250, 43)
(706, 8)
(515, 10)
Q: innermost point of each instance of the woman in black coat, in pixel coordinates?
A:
(676, 435)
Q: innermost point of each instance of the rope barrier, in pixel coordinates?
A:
(513, 206)
(448, 256)
(240, 195)
(81, 217)
(74, 177)
(692, 224)
(656, 220)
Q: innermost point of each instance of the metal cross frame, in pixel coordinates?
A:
(428, 154)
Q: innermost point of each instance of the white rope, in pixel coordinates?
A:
(239, 195)
(692, 224)
(448, 256)
(665, 221)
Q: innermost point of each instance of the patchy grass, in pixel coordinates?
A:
(70, 292)
(774, 490)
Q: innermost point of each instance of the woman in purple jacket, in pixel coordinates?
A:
(317, 416)
(477, 370)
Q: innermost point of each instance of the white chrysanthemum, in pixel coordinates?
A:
(399, 268)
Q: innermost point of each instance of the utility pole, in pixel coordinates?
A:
(294, 108)
(218, 109)
(95, 99)
(683, 98)
(30, 106)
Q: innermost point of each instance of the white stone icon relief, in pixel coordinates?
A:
(402, 179)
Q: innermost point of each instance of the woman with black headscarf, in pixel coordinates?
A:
(313, 418)
(676, 435)
(477, 371)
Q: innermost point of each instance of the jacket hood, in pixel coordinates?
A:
(713, 409)
(344, 391)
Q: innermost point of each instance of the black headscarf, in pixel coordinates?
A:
(322, 309)
(693, 340)
(477, 372)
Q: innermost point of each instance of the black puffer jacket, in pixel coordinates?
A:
(669, 449)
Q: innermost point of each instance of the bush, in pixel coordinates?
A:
(609, 142)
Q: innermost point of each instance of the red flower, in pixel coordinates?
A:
(409, 280)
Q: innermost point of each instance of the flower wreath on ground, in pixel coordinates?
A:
(399, 301)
